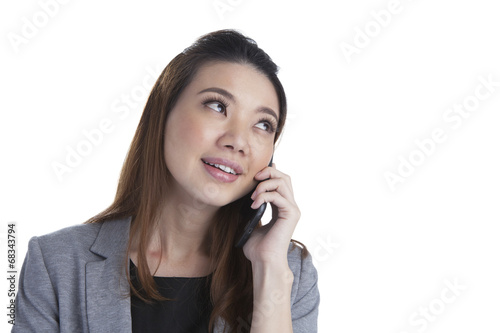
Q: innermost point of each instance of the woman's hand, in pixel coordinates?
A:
(269, 244)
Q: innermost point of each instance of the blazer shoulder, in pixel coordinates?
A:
(301, 265)
(102, 239)
(73, 237)
(305, 296)
(295, 256)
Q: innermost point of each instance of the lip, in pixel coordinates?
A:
(220, 175)
(216, 160)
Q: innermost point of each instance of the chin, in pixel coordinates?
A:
(220, 194)
(222, 200)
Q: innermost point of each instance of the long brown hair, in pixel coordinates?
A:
(144, 179)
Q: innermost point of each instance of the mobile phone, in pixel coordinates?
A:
(252, 215)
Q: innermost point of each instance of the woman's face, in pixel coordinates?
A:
(221, 133)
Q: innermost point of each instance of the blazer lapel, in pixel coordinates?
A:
(106, 285)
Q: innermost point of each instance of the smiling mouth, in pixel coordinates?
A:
(222, 167)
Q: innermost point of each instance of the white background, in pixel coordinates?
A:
(381, 254)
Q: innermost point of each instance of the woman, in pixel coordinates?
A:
(162, 256)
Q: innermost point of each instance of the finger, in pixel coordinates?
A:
(270, 183)
(270, 172)
(273, 165)
(284, 206)
(274, 185)
(283, 210)
(270, 197)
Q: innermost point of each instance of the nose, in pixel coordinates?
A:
(235, 139)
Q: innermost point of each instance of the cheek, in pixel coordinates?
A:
(262, 149)
(186, 134)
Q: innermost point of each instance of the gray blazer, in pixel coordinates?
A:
(74, 280)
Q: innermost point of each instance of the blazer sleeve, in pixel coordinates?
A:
(36, 301)
(305, 305)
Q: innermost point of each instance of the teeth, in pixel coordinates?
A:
(223, 168)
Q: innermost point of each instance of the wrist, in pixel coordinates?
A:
(272, 274)
(272, 285)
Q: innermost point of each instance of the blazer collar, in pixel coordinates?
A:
(106, 285)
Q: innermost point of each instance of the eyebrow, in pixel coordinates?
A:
(228, 95)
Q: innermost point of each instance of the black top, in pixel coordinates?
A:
(188, 311)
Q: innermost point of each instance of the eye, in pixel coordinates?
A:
(263, 125)
(216, 103)
(216, 106)
(266, 125)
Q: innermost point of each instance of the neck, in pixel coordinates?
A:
(183, 228)
(178, 245)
